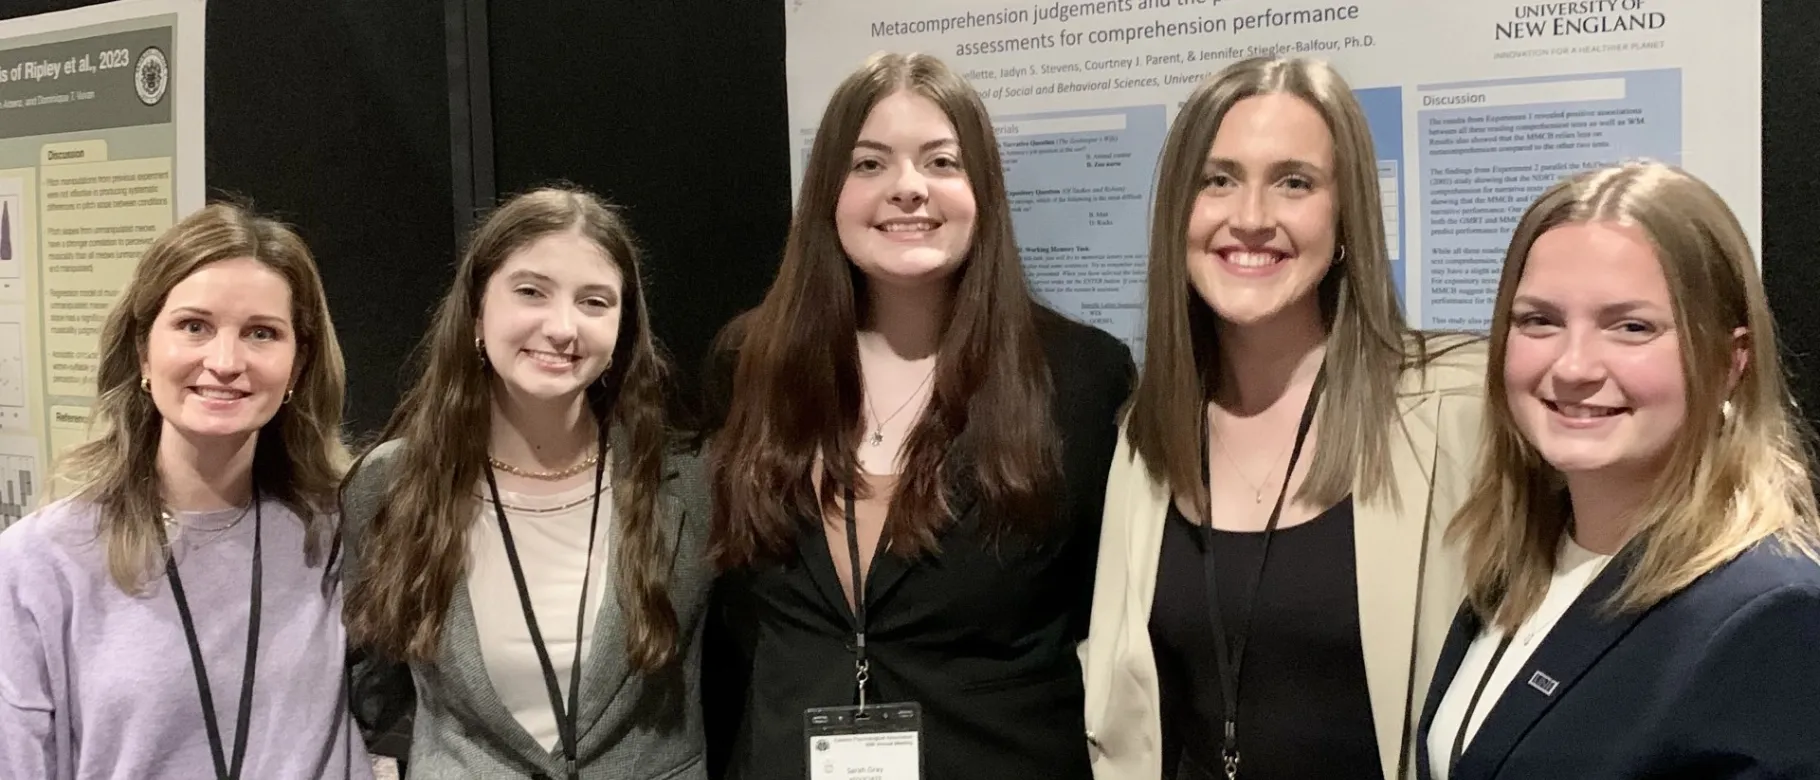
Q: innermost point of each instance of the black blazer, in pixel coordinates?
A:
(1721, 680)
(982, 637)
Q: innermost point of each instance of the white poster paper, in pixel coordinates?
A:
(100, 151)
(1474, 107)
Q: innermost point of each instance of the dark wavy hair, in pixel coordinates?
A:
(798, 404)
(418, 537)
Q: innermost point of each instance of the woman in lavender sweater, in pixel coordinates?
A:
(173, 617)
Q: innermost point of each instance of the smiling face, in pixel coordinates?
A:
(1593, 370)
(550, 318)
(1261, 235)
(222, 353)
(905, 214)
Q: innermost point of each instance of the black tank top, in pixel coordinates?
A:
(1305, 711)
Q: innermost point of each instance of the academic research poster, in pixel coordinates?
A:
(101, 128)
(1474, 108)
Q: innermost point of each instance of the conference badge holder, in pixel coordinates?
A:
(868, 742)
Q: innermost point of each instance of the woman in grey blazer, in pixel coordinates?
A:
(526, 572)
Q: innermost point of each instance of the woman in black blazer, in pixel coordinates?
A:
(1644, 587)
(900, 406)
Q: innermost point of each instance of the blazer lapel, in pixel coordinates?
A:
(1465, 628)
(607, 665)
(463, 664)
(604, 669)
(812, 548)
(1575, 643)
(888, 569)
(1390, 534)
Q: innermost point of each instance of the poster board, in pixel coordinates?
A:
(101, 149)
(1474, 109)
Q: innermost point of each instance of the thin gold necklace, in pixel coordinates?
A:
(1257, 491)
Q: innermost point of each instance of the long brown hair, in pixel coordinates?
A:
(418, 538)
(1368, 343)
(797, 372)
(1732, 478)
(298, 455)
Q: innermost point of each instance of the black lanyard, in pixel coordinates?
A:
(1459, 737)
(861, 667)
(1230, 658)
(223, 770)
(566, 717)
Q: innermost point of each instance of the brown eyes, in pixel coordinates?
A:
(1223, 181)
(196, 327)
(871, 165)
(1533, 321)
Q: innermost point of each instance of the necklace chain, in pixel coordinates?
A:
(174, 528)
(1257, 491)
(878, 430)
(562, 473)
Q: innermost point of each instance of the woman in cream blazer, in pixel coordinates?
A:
(1270, 292)
(1410, 585)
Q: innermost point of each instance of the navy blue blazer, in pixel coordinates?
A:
(1721, 680)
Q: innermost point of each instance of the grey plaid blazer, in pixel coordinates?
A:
(632, 727)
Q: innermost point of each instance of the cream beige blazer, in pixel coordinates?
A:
(1410, 581)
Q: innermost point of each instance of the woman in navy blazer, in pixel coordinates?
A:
(1644, 589)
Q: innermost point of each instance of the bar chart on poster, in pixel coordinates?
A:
(100, 150)
(1474, 108)
(17, 475)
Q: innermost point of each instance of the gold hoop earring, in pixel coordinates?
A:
(1342, 257)
(480, 350)
(287, 396)
(145, 385)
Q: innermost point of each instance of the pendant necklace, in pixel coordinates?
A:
(1257, 490)
(878, 431)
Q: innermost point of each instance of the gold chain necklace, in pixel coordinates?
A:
(564, 473)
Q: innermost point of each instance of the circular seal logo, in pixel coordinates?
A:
(151, 76)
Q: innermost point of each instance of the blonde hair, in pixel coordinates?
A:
(1734, 476)
(299, 454)
(1369, 345)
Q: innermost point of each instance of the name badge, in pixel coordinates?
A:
(875, 742)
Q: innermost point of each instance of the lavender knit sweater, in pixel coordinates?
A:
(96, 683)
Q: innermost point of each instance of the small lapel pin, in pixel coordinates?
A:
(1543, 683)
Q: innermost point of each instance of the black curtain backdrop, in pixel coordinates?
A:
(674, 110)
(1791, 187)
(336, 114)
